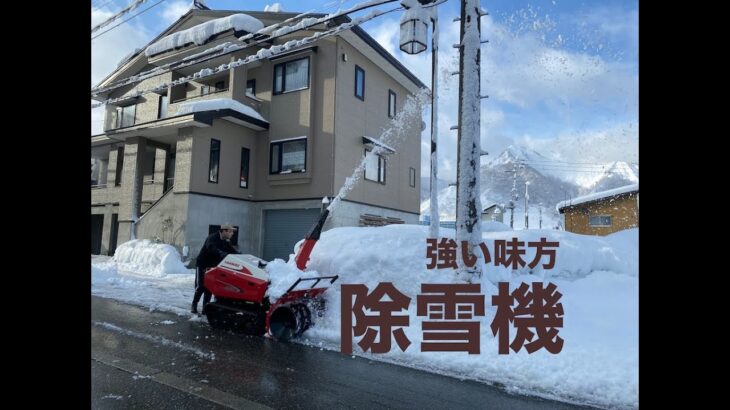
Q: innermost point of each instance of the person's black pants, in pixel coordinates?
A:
(200, 288)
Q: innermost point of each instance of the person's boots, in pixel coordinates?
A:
(194, 308)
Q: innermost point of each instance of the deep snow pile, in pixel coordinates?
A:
(597, 277)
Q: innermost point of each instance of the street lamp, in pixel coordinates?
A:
(413, 36)
(413, 31)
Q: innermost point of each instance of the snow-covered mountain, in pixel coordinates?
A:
(426, 188)
(614, 175)
(550, 181)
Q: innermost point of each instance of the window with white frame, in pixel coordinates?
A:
(412, 177)
(291, 76)
(374, 167)
(288, 156)
(600, 220)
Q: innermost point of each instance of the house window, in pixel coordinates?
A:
(220, 85)
(245, 156)
(288, 156)
(120, 164)
(412, 177)
(125, 115)
(359, 83)
(162, 112)
(291, 76)
(600, 220)
(251, 87)
(215, 156)
(374, 167)
(391, 104)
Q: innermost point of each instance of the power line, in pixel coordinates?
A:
(266, 31)
(207, 72)
(108, 21)
(98, 6)
(112, 28)
(304, 25)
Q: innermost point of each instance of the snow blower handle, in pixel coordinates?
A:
(312, 237)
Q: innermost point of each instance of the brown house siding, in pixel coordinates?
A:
(623, 211)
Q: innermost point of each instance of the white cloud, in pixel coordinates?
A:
(619, 142)
(174, 11)
(110, 48)
(527, 67)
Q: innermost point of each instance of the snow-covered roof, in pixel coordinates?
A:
(218, 104)
(202, 32)
(375, 141)
(598, 195)
(491, 204)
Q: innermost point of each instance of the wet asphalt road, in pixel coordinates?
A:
(139, 362)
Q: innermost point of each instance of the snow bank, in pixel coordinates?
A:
(599, 361)
(597, 277)
(494, 226)
(147, 257)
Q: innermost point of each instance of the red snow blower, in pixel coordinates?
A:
(240, 284)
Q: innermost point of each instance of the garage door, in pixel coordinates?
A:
(285, 227)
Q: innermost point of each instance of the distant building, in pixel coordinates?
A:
(493, 212)
(602, 213)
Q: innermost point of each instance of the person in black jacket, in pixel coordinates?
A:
(214, 250)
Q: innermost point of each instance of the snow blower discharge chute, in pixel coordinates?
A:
(239, 284)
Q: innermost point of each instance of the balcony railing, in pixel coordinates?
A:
(222, 90)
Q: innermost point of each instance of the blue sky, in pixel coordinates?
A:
(562, 75)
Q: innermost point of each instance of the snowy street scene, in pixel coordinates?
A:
(364, 204)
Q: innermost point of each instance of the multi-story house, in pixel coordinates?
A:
(276, 136)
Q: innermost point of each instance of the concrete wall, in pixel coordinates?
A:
(207, 210)
(166, 220)
(356, 118)
(348, 214)
(624, 212)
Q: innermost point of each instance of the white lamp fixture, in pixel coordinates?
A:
(413, 31)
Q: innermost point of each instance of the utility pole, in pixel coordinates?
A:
(527, 199)
(433, 230)
(515, 196)
(468, 203)
(540, 216)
